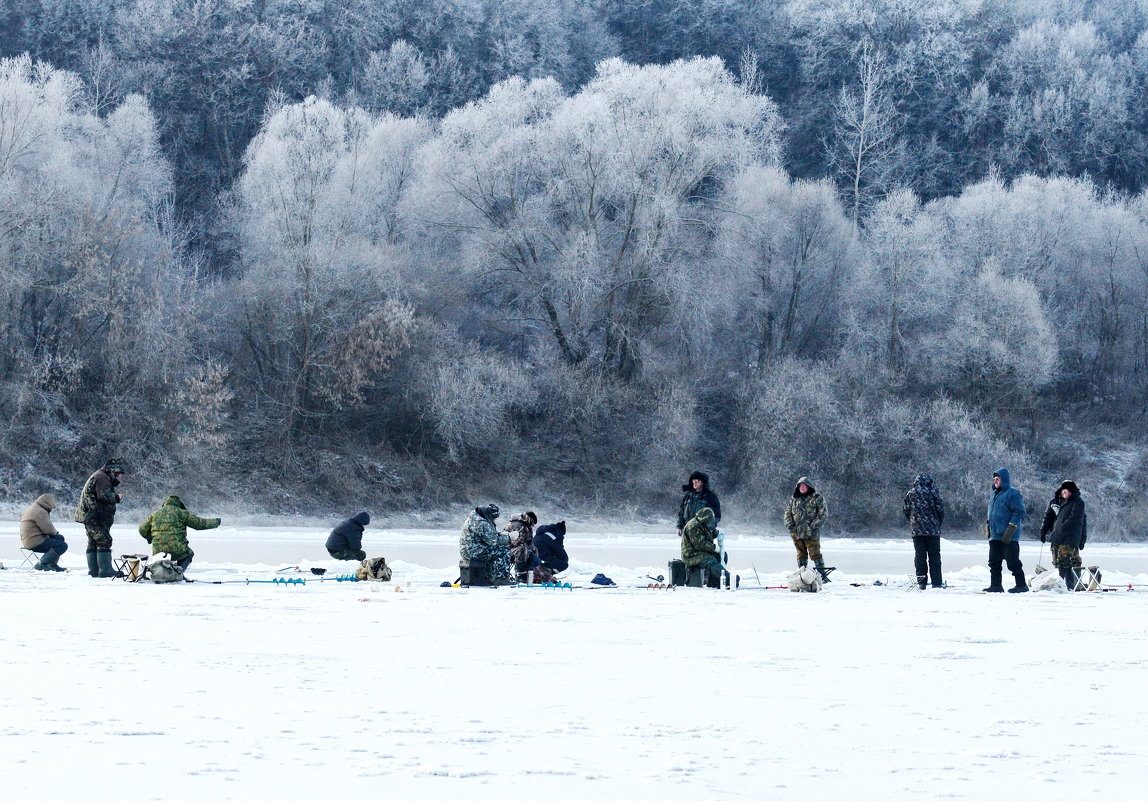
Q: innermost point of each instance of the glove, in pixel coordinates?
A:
(1044, 537)
(1083, 539)
(988, 532)
(1008, 533)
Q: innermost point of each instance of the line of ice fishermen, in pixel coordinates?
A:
(1065, 527)
(521, 553)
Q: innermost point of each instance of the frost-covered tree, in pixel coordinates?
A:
(786, 251)
(586, 214)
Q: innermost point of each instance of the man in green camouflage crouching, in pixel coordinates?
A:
(804, 514)
(699, 549)
(166, 530)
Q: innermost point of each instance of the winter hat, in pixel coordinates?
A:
(705, 479)
(797, 488)
(489, 512)
(555, 530)
(603, 580)
(705, 515)
(113, 466)
(533, 518)
(362, 518)
(1068, 485)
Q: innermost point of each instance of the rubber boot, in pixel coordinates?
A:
(994, 580)
(93, 565)
(48, 562)
(1071, 579)
(104, 559)
(819, 565)
(922, 582)
(1021, 586)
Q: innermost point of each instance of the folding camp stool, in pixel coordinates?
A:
(31, 559)
(1089, 578)
(132, 567)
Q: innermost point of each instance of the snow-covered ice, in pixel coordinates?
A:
(332, 689)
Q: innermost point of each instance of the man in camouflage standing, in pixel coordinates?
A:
(97, 511)
(925, 511)
(481, 542)
(804, 514)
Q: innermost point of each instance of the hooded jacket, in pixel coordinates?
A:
(348, 535)
(1071, 522)
(98, 499)
(1006, 506)
(36, 522)
(924, 507)
(550, 541)
(698, 538)
(166, 528)
(693, 502)
(804, 514)
(479, 538)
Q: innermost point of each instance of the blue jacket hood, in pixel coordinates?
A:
(1005, 481)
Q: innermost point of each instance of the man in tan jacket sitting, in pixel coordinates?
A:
(38, 534)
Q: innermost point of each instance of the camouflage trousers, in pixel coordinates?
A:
(99, 537)
(1066, 556)
(349, 556)
(806, 550)
(497, 558)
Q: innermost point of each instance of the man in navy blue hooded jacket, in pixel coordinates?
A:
(1005, 515)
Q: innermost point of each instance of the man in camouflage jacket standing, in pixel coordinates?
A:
(925, 511)
(804, 514)
(480, 540)
(97, 511)
(166, 530)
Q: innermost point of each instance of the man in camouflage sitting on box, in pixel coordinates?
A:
(481, 542)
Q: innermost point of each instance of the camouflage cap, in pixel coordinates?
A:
(114, 466)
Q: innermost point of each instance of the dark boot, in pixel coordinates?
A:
(93, 565)
(48, 562)
(819, 565)
(994, 579)
(1021, 586)
(922, 582)
(104, 560)
(1071, 579)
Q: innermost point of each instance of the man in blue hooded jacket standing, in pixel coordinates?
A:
(1006, 512)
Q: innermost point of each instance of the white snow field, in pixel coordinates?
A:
(334, 689)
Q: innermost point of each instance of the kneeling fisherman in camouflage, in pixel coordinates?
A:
(166, 530)
(480, 541)
(698, 546)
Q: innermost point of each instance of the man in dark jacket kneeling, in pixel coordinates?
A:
(346, 540)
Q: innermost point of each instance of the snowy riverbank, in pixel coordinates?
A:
(251, 691)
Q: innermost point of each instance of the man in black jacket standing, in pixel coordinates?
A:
(698, 496)
(346, 540)
(1068, 533)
